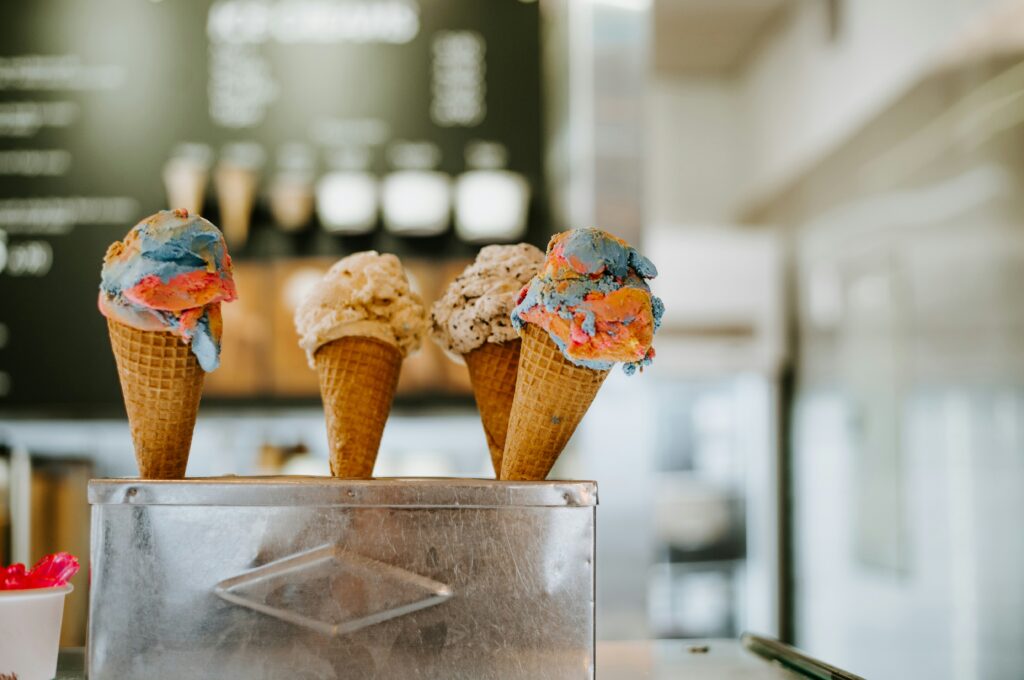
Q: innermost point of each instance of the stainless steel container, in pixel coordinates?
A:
(290, 577)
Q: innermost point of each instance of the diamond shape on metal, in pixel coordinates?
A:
(331, 590)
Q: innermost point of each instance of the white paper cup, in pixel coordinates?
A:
(30, 632)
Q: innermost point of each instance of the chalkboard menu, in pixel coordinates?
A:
(96, 96)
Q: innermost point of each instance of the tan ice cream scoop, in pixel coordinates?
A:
(356, 325)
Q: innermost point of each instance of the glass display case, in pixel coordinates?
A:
(706, 572)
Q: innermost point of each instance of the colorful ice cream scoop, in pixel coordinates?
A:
(592, 298)
(170, 273)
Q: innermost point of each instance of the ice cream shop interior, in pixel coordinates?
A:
(559, 338)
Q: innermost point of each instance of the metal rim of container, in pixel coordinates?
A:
(404, 492)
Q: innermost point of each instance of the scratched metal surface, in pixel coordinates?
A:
(337, 579)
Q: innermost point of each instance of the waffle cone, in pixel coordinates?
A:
(358, 377)
(492, 372)
(162, 382)
(552, 395)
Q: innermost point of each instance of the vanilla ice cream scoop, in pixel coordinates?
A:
(476, 306)
(365, 294)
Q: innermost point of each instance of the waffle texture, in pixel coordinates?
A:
(358, 376)
(552, 395)
(162, 383)
(492, 372)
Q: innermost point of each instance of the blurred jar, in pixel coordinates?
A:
(346, 197)
(491, 202)
(416, 198)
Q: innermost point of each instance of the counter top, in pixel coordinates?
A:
(647, 660)
(689, 659)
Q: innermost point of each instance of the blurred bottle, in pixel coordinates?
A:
(291, 189)
(491, 202)
(346, 197)
(236, 179)
(274, 459)
(416, 198)
(186, 175)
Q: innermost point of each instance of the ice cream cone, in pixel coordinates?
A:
(492, 371)
(236, 192)
(185, 183)
(291, 201)
(552, 395)
(162, 383)
(358, 376)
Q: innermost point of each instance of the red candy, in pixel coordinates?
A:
(53, 571)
